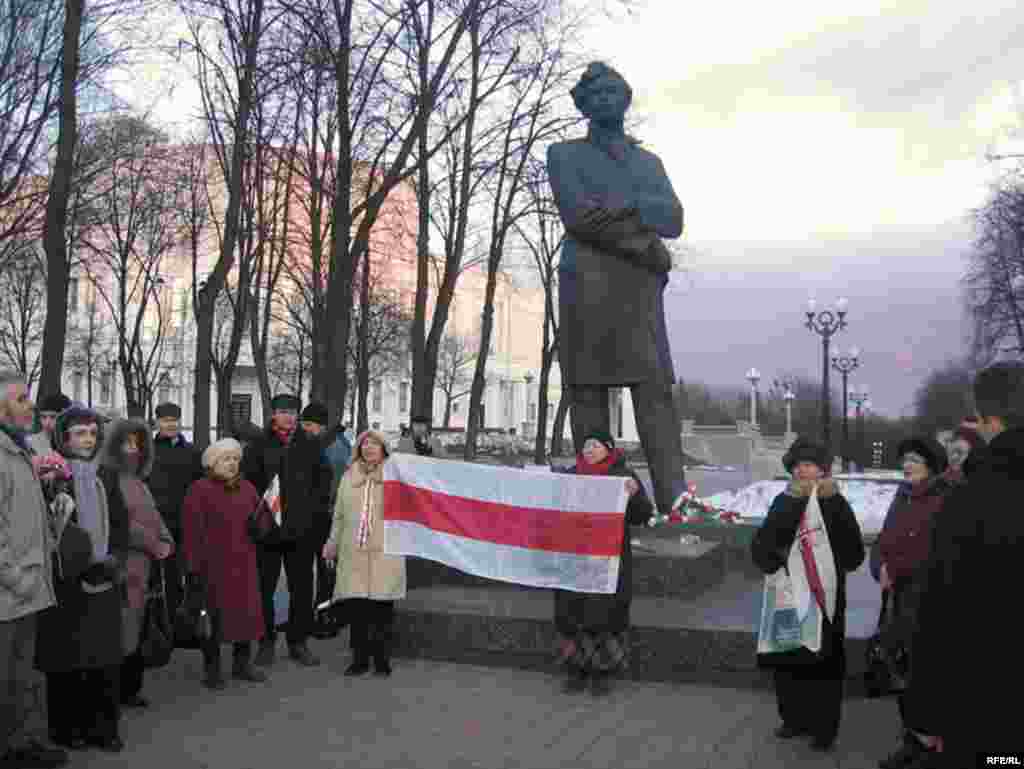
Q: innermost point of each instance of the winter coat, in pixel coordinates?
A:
(595, 613)
(26, 542)
(773, 541)
(216, 546)
(136, 528)
(965, 652)
(305, 478)
(177, 465)
(41, 442)
(611, 283)
(906, 533)
(364, 571)
(84, 629)
(339, 454)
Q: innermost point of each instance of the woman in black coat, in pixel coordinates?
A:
(79, 640)
(593, 626)
(810, 693)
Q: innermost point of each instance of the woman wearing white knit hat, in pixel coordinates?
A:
(221, 559)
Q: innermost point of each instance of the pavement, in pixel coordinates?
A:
(435, 715)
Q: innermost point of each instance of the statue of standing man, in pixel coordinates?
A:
(617, 203)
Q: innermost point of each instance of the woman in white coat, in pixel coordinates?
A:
(368, 579)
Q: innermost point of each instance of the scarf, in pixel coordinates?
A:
(365, 528)
(601, 468)
(87, 501)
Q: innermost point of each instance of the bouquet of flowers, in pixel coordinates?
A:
(689, 508)
(51, 467)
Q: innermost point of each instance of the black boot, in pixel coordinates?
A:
(576, 681)
(265, 656)
(300, 653)
(360, 663)
(241, 665)
(601, 684)
(907, 754)
(213, 678)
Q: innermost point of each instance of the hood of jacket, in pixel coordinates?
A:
(827, 487)
(111, 456)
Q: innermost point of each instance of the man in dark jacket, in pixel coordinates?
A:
(176, 465)
(968, 665)
(305, 487)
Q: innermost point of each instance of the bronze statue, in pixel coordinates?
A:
(617, 203)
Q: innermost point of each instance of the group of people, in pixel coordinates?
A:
(949, 547)
(94, 515)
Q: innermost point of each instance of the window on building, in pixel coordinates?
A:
(378, 397)
(375, 425)
(241, 408)
(531, 412)
(455, 407)
(77, 383)
(73, 295)
(106, 387)
(403, 397)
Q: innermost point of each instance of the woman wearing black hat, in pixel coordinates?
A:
(593, 627)
(809, 693)
(898, 561)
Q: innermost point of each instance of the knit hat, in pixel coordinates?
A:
(285, 402)
(600, 435)
(357, 452)
(54, 403)
(219, 450)
(931, 451)
(806, 450)
(168, 410)
(315, 412)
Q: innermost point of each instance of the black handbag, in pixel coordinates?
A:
(156, 643)
(886, 662)
(192, 622)
(263, 529)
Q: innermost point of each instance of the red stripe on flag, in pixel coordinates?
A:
(534, 528)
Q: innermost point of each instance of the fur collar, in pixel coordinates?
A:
(111, 456)
(827, 487)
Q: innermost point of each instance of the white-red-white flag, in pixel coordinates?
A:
(541, 529)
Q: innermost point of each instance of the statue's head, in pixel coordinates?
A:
(602, 93)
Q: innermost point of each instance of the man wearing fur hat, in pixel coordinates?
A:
(176, 465)
(49, 409)
(296, 458)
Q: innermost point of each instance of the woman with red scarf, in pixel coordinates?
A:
(593, 627)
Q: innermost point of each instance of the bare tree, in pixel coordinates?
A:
(90, 346)
(22, 311)
(131, 231)
(454, 376)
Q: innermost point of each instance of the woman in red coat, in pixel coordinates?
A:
(221, 559)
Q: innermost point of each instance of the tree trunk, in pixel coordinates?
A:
(55, 227)
(547, 358)
(421, 403)
(558, 428)
(363, 373)
(447, 412)
(480, 370)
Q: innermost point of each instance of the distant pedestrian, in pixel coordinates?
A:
(593, 627)
(79, 646)
(288, 453)
(421, 440)
(368, 579)
(26, 579)
(810, 693)
(138, 536)
(176, 466)
(49, 408)
(220, 559)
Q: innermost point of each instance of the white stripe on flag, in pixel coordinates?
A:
(523, 566)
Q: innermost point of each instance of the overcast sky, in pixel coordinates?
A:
(819, 147)
(827, 149)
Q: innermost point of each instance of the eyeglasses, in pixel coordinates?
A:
(81, 432)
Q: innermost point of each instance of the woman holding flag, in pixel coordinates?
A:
(809, 687)
(593, 626)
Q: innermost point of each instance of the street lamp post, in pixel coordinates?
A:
(844, 364)
(789, 396)
(528, 378)
(753, 376)
(825, 323)
(859, 396)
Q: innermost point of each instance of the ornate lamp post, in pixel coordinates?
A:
(528, 378)
(789, 396)
(859, 396)
(753, 376)
(825, 323)
(844, 364)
